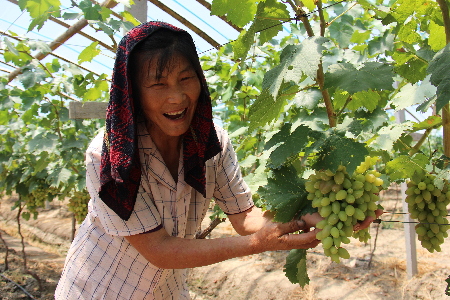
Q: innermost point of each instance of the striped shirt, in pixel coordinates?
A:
(101, 264)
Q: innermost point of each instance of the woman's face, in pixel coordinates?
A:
(169, 103)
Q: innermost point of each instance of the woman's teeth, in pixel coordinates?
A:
(175, 115)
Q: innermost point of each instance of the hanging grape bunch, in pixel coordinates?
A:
(78, 204)
(428, 205)
(36, 199)
(344, 200)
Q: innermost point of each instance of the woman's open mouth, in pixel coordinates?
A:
(175, 115)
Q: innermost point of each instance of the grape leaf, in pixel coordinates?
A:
(295, 60)
(264, 110)
(410, 66)
(89, 53)
(440, 77)
(368, 99)
(408, 32)
(342, 33)
(389, 134)
(338, 150)
(413, 94)
(372, 75)
(437, 36)
(430, 122)
(295, 267)
(284, 194)
(238, 12)
(404, 166)
(267, 20)
(291, 143)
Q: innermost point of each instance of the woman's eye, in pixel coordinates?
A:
(187, 78)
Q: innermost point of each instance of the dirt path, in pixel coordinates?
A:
(252, 277)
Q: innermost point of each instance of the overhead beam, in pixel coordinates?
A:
(71, 31)
(186, 23)
(59, 22)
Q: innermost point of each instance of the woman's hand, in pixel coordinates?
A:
(367, 221)
(278, 236)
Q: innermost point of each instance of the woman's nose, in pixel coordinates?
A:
(176, 94)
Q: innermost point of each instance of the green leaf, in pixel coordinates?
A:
(43, 142)
(412, 94)
(430, 122)
(238, 12)
(440, 77)
(405, 166)
(89, 53)
(368, 99)
(31, 77)
(388, 135)
(11, 47)
(290, 143)
(284, 194)
(372, 75)
(91, 12)
(408, 32)
(295, 60)
(341, 32)
(42, 163)
(295, 267)
(58, 176)
(338, 150)
(410, 66)
(130, 18)
(267, 20)
(437, 36)
(264, 110)
(447, 289)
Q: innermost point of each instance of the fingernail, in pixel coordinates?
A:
(301, 223)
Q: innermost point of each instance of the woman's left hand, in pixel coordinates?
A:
(312, 219)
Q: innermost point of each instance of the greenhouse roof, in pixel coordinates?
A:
(208, 31)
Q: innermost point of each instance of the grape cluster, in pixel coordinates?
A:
(343, 200)
(428, 204)
(78, 204)
(38, 196)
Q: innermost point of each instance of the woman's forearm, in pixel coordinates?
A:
(165, 251)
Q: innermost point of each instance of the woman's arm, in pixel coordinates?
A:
(165, 251)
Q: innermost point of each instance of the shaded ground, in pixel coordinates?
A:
(252, 277)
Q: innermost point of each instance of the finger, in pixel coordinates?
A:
(303, 239)
(366, 223)
(292, 226)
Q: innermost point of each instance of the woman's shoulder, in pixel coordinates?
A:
(94, 149)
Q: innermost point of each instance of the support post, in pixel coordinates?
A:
(408, 225)
(138, 10)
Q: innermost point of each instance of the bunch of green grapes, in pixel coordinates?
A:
(428, 204)
(78, 204)
(343, 200)
(38, 197)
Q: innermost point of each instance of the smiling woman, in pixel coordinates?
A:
(151, 177)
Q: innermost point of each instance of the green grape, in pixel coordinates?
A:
(428, 206)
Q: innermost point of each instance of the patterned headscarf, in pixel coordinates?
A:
(120, 171)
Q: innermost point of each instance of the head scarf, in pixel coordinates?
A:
(120, 170)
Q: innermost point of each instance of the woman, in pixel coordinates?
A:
(151, 176)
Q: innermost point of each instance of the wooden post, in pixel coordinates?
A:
(138, 10)
(408, 225)
(87, 110)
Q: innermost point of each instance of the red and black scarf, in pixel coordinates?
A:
(120, 170)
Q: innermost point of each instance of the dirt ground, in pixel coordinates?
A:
(252, 277)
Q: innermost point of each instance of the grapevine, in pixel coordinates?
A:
(428, 205)
(343, 200)
(78, 204)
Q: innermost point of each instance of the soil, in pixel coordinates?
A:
(251, 277)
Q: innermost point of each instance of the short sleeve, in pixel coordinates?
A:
(145, 216)
(231, 192)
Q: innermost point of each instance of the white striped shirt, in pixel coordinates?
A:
(101, 264)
